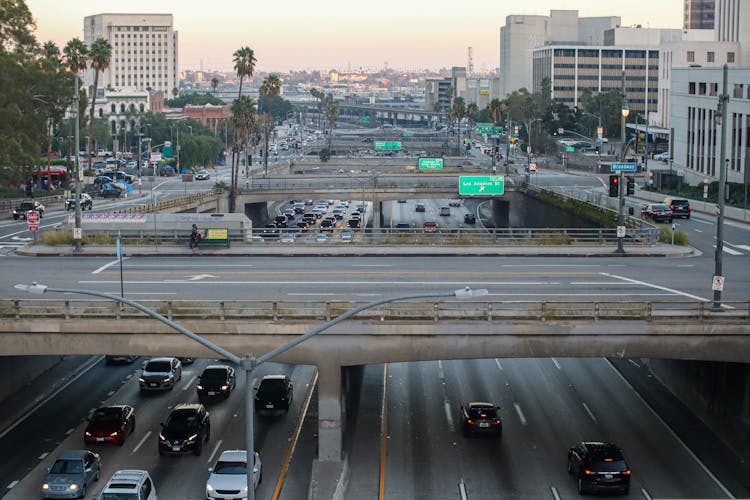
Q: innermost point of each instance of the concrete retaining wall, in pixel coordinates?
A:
(17, 371)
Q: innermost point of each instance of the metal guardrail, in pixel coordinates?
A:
(414, 310)
(178, 201)
(10, 204)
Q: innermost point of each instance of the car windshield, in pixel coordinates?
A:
(158, 366)
(487, 411)
(106, 415)
(659, 207)
(608, 465)
(118, 496)
(230, 468)
(270, 388)
(215, 375)
(182, 420)
(67, 467)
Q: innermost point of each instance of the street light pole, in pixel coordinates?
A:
(77, 231)
(721, 118)
(249, 362)
(621, 205)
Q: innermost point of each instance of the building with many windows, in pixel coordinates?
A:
(144, 51)
(697, 146)
(699, 14)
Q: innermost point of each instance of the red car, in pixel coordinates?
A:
(110, 424)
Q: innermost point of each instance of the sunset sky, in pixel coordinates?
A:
(324, 34)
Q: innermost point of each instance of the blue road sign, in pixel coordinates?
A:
(623, 167)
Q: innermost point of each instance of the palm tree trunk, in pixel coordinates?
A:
(91, 121)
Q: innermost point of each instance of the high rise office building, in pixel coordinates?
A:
(699, 14)
(144, 51)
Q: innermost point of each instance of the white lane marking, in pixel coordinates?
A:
(428, 283)
(216, 448)
(550, 265)
(499, 366)
(372, 265)
(43, 455)
(645, 494)
(634, 363)
(462, 490)
(672, 433)
(13, 483)
(697, 230)
(710, 223)
(309, 294)
(91, 363)
(555, 494)
(110, 393)
(650, 285)
(70, 431)
(728, 250)
(140, 443)
(588, 410)
(152, 293)
(686, 265)
(105, 266)
(448, 415)
(521, 416)
(189, 385)
(441, 373)
(556, 364)
(744, 247)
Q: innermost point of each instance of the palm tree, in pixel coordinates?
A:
(271, 87)
(243, 118)
(100, 55)
(318, 96)
(458, 110)
(332, 114)
(496, 109)
(472, 111)
(214, 84)
(244, 64)
(51, 52)
(175, 91)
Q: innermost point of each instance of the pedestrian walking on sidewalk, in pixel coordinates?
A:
(195, 238)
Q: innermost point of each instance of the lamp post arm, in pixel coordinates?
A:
(206, 343)
(343, 317)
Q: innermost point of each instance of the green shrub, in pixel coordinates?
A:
(665, 236)
(325, 154)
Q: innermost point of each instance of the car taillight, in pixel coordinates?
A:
(470, 421)
(496, 421)
(626, 472)
(589, 472)
(671, 207)
(689, 207)
(483, 415)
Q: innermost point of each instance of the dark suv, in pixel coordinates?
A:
(599, 467)
(25, 207)
(477, 417)
(274, 395)
(680, 207)
(216, 381)
(185, 430)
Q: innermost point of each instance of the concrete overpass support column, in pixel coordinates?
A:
(329, 412)
(222, 204)
(501, 213)
(377, 213)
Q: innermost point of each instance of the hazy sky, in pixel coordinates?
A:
(323, 34)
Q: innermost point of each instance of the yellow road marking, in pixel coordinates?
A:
(295, 437)
(383, 434)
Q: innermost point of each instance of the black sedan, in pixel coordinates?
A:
(216, 381)
(481, 418)
(658, 212)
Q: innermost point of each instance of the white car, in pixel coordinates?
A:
(202, 175)
(287, 238)
(129, 484)
(228, 477)
(662, 156)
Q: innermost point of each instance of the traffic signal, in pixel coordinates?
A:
(631, 187)
(640, 142)
(614, 185)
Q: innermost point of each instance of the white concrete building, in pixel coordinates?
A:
(695, 97)
(522, 34)
(144, 50)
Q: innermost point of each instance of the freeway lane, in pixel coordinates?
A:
(182, 477)
(266, 278)
(546, 406)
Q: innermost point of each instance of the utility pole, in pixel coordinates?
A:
(621, 194)
(721, 119)
(79, 175)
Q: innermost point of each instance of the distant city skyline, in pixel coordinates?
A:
(334, 34)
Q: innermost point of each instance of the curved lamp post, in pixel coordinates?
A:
(250, 362)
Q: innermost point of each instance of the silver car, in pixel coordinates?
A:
(228, 477)
(71, 473)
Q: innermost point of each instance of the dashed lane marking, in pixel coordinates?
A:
(557, 364)
(13, 483)
(43, 455)
(555, 494)
(213, 453)
(140, 443)
(588, 410)
(189, 385)
(521, 416)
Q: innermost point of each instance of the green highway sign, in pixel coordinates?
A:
(408, 133)
(365, 119)
(484, 128)
(387, 146)
(481, 185)
(430, 164)
(570, 149)
(499, 130)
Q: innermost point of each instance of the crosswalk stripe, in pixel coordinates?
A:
(731, 251)
(744, 247)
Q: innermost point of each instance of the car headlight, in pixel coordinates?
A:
(199, 387)
(167, 379)
(162, 438)
(45, 486)
(141, 380)
(73, 486)
(88, 433)
(209, 488)
(192, 438)
(224, 387)
(115, 433)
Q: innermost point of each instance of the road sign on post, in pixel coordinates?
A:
(430, 164)
(484, 128)
(481, 185)
(32, 217)
(623, 167)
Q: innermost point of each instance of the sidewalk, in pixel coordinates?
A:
(348, 250)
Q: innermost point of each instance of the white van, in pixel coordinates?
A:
(136, 484)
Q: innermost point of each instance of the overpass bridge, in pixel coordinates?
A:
(395, 332)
